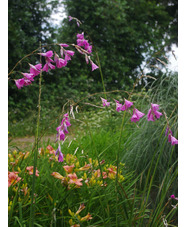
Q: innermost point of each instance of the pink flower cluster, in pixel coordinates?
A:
(83, 47)
(136, 113)
(28, 77)
(31, 170)
(61, 131)
(126, 106)
(171, 139)
(174, 197)
(152, 115)
(82, 42)
(36, 69)
(153, 112)
(13, 178)
(104, 102)
(58, 61)
(77, 21)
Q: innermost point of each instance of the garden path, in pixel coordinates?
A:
(27, 143)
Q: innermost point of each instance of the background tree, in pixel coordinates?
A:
(28, 24)
(125, 33)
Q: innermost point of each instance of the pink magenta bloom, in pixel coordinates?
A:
(70, 18)
(89, 49)
(136, 115)
(35, 69)
(168, 131)
(105, 103)
(48, 64)
(48, 54)
(31, 169)
(83, 43)
(80, 36)
(64, 45)
(59, 61)
(13, 178)
(74, 179)
(20, 83)
(118, 106)
(127, 105)
(173, 197)
(28, 76)
(27, 82)
(62, 129)
(60, 157)
(70, 52)
(173, 140)
(153, 113)
(94, 66)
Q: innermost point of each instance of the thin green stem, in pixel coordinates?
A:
(117, 163)
(101, 75)
(32, 209)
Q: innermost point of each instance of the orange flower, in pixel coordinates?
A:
(98, 174)
(74, 179)
(85, 167)
(111, 170)
(82, 206)
(86, 218)
(50, 149)
(69, 169)
(30, 169)
(57, 175)
(13, 178)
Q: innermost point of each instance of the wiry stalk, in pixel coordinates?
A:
(32, 209)
(117, 163)
(101, 75)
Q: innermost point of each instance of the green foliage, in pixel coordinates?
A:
(138, 151)
(122, 33)
(53, 199)
(28, 24)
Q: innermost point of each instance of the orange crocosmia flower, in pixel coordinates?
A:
(25, 190)
(82, 206)
(69, 169)
(111, 170)
(85, 167)
(31, 169)
(98, 174)
(86, 218)
(50, 149)
(57, 175)
(13, 178)
(74, 179)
